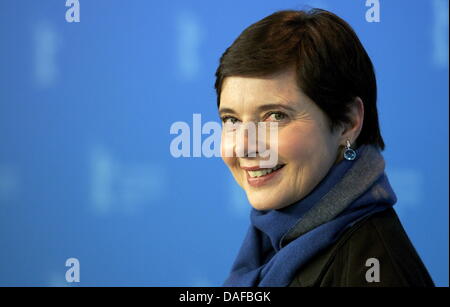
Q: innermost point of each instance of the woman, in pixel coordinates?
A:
(322, 215)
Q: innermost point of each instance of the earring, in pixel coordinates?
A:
(349, 153)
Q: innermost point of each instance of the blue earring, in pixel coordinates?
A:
(349, 153)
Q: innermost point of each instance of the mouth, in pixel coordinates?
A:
(263, 171)
(262, 176)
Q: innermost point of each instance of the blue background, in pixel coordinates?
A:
(85, 113)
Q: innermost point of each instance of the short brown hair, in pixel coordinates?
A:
(331, 64)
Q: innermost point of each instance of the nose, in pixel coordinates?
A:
(246, 144)
(251, 141)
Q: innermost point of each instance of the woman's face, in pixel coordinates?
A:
(306, 148)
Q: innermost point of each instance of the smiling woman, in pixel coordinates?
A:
(306, 147)
(324, 211)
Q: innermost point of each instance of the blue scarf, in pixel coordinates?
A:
(279, 242)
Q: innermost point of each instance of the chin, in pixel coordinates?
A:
(262, 202)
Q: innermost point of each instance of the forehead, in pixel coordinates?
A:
(238, 92)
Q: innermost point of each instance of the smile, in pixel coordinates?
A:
(263, 171)
(262, 176)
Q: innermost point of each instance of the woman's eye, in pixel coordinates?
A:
(229, 120)
(276, 116)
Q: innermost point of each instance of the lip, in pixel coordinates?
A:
(263, 180)
(251, 168)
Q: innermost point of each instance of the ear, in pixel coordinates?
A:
(353, 128)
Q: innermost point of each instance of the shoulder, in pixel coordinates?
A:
(374, 252)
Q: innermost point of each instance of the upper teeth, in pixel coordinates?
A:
(263, 172)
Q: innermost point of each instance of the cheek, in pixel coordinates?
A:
(227, 149)
(296, 144)
(230, 162)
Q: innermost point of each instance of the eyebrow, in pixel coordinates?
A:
(265, 107)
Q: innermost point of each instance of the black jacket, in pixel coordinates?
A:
(344, 264)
